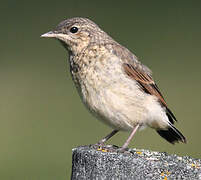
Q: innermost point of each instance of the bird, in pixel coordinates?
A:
(112, 83)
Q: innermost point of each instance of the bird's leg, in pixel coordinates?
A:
(102, 141)
(123, 148)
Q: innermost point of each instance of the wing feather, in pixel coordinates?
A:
(148, 85)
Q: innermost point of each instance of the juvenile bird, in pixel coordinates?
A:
(113, 84)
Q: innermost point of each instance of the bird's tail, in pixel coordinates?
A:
(172, 134)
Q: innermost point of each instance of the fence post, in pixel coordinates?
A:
(91, 162)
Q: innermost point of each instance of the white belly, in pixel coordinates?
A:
(117, 105)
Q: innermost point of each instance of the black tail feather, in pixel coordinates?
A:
(172, 135)
(170, 115)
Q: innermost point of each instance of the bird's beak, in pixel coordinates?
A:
(56, 35)
(49, 34)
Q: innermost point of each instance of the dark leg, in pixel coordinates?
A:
(123, 148)
(102, 141)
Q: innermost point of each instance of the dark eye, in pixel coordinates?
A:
(73, 29)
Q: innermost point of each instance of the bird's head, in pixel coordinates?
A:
(77, 33)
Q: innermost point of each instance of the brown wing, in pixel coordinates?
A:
(147, 84)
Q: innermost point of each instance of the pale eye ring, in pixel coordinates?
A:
(73, 29)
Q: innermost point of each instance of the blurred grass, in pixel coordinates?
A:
(41, 115)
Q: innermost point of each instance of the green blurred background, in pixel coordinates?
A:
(41, 115)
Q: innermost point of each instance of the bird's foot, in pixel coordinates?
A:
(122, 150)
(105, 148)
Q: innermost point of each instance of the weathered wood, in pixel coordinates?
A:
(92, 162)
